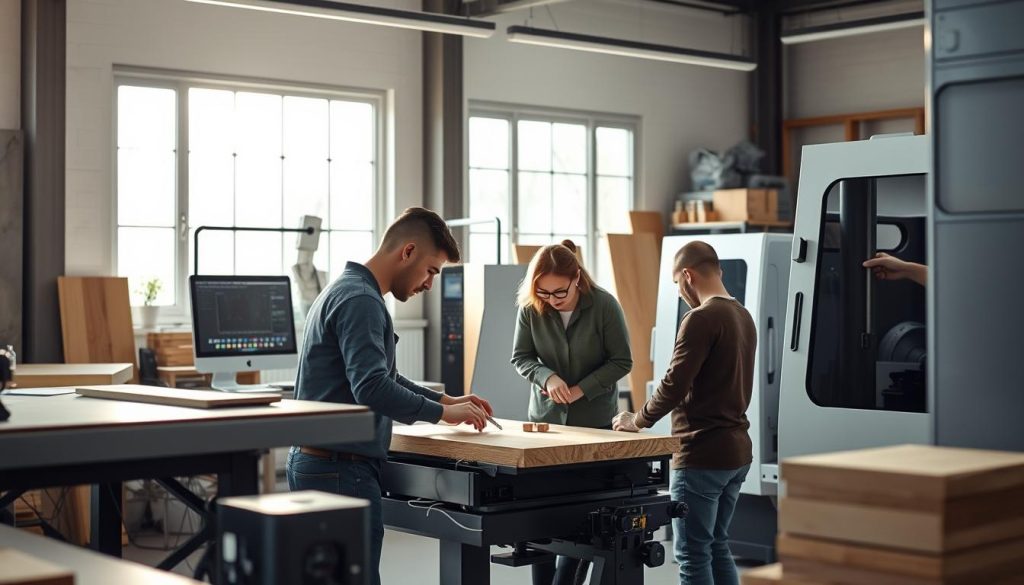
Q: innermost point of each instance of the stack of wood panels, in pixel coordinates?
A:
(173, 348)
(903, 515)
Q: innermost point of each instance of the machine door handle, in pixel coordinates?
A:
(771, 350)
(798, 305)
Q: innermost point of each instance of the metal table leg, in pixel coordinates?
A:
(464, 564)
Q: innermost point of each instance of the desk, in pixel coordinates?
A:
(90, 568)
(48, 375)
(70, 439)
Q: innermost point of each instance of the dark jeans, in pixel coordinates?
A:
(357, 479)
(702, 538)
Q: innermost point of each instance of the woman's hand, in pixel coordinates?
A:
(556, 389)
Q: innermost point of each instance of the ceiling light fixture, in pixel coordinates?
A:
(422, 21)
(594, 44)
(852, 28)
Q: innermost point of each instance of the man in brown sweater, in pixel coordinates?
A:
(707, 389)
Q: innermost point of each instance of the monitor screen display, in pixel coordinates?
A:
(242, 315)
(451, 286)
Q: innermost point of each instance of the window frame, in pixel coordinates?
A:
(181, 82)
(514, 113)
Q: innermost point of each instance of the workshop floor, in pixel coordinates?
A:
(406, 556)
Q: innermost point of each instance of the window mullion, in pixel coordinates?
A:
(181, 212)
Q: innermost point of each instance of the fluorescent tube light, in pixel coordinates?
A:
(563, 40)
(852, 28)
(423, 21)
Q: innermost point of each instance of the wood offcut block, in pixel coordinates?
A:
(839, 562)
(528, 427)
(18, 568)
(911, 497)
(542, 427)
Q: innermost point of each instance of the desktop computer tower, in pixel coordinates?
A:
(299, 538)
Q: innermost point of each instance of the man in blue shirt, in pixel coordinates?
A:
(348, 356)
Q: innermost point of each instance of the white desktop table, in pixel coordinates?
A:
(70, 440)
(90, 568)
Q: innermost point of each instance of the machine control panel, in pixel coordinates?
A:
(452, 330)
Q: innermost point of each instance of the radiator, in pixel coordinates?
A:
(409, 353)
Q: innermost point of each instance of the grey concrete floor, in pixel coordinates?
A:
(410, 559)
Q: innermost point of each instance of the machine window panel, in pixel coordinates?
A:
(867, 342)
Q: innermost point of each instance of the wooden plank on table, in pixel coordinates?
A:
(53, 375)
(634, 261)
(176, 396)
(907, 472)
(912, 530)
(96, 320)
(18, 568)
(561, 445)
(837, 560)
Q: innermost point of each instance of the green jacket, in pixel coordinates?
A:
(593, 352)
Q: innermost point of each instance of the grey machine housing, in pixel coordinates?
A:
(891, 172)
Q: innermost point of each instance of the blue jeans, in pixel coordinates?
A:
(357, 479)
(702, 538)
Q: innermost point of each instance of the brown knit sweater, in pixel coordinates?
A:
(707, 387)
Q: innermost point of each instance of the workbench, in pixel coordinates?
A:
(69, 439)
(591, 494)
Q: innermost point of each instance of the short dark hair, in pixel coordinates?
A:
(697, 256)
(418, 223)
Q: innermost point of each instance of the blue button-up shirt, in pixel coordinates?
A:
(348, 356)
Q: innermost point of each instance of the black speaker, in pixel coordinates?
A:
(298, 538)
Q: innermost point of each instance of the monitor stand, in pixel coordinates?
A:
(225, 382)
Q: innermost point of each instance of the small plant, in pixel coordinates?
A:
(149, 290)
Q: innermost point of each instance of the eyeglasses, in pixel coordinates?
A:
(558, 294)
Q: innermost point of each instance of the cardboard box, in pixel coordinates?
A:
(746, 204)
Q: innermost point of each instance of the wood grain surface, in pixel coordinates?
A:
(176, 396)
(50, 375)
(96, 320)
(994, 562)
(561, 445)
(908, 472)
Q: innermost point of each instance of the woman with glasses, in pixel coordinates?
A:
(571, 344)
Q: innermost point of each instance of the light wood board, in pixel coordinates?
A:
(176, 396)
(513, 447)
(911, 530)
(50, 375)
(634, 260)
(96, 320)
(18, 568)
(908, 472)
(71, 411)
(833, 559)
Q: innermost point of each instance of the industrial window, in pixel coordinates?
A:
(193, 153)
(550, 177)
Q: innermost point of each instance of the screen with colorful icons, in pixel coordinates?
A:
(242, 315)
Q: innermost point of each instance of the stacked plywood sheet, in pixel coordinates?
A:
(904, 515)
(171, 348)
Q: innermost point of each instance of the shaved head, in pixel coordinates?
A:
(698, 256)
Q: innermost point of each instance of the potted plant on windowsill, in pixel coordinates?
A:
(148, 311)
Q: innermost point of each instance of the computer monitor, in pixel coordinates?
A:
(241, 323)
